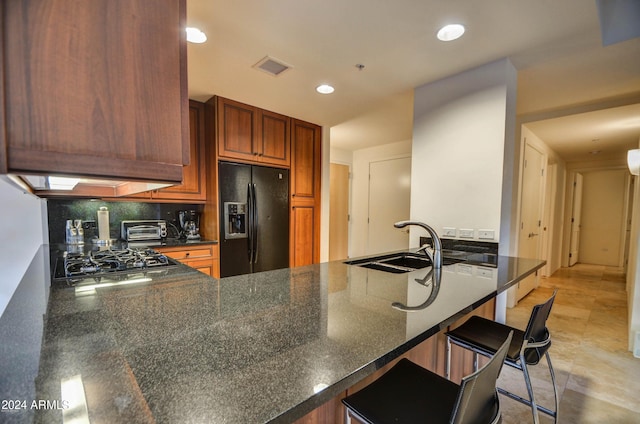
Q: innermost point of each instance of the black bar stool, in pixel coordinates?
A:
(408, 393)
(483, 336)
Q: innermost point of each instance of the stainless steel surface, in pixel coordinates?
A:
(436, 254)
(74, 267)
(400, 263)
(139, 230)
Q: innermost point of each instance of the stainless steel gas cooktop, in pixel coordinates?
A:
(114, 263)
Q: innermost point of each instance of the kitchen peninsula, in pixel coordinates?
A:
(258, 348)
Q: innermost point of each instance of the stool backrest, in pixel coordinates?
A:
(537, 331)
(477, 400)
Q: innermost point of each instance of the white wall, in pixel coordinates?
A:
(463, 136)
(23, 227)
(324, 196)
(360, 189)
(633, 270)
(602, 226)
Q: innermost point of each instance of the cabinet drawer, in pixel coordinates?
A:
(204, 265)
(189, 254)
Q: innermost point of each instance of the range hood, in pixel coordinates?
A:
(56, 186)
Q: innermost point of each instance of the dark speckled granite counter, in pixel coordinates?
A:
(253, 349)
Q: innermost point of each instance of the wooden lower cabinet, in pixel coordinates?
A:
(204, 257)
(303, 235)
(430, 354)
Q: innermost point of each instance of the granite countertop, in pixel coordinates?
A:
(258, 348)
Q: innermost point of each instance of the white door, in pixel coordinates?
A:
(576, 212)
(532, 202)
(389, 202)
(531, 213)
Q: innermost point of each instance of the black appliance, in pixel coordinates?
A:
(189, 224)
(254, 209)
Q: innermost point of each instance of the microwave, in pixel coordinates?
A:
(143, 230)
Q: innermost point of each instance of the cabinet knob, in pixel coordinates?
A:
(187, 254)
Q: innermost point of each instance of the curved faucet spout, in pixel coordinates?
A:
(436, 257)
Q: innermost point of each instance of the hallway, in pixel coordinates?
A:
(598, 378)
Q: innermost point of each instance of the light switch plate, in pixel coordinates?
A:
(466, 233)
(486, 234)
(448, 232)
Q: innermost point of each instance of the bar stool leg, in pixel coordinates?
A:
(555, 390)
(527, 380)
(447, 367)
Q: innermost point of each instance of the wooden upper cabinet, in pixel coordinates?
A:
(306, 163)
(248, 133)
(194, 181)
(274, 138)
(95, 88)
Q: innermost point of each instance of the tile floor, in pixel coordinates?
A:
(598, 378)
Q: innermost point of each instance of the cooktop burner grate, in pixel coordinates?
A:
(112, 260)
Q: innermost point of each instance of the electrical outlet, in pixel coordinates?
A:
(448, 232)
(485, 272)
(486, 234)
(466, 233)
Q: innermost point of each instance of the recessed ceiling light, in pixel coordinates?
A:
(194, 35)
(450, 32)
(325, 89)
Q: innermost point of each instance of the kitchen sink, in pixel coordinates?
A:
(399, 263)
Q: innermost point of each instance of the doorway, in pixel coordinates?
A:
(339, 211)
(603, 217)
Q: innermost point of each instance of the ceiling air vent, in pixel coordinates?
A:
(271, 66)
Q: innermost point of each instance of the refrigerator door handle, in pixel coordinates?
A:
(255, 226)
(250, 223)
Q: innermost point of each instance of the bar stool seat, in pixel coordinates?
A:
(409, 393)
(484, 337)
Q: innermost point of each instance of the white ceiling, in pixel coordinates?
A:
(555, 45)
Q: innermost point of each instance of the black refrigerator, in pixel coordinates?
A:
(254, 215)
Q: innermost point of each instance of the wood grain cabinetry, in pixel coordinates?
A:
(203, 257)
(95, 88)
(306, 150)
(248, 133)
(194, 181)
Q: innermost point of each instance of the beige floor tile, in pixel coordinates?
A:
(598, 379)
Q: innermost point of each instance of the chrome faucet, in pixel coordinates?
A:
(436, 255)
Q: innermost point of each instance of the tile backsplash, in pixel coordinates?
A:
(60, 210)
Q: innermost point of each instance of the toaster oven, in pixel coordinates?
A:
(143, 230)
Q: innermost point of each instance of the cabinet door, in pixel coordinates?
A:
(96, 88)
(193, 187)
(236, 130)
(306, 151)
(304, 236)
(305, 193)
(273, 141)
